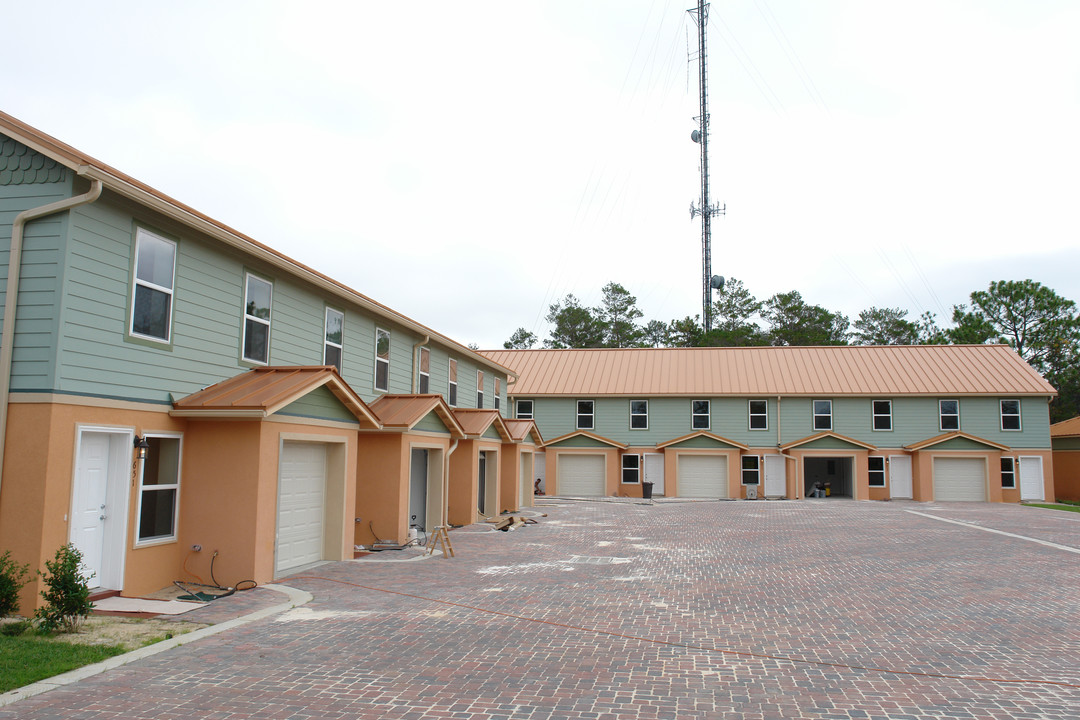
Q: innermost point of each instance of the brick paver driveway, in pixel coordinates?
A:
(608, 610)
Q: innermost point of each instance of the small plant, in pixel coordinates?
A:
(66, 593)
(12, 578)
(14, 629)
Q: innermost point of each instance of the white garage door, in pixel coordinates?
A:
(703, 476)
(301, 505)
(581, 475)
(961, 479)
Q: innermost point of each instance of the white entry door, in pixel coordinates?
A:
(900, 476)
(99, 504)
(775, 476)
(654, 472)
(1031, 478)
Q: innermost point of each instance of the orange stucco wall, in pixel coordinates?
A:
(512, 495)
(1066, 475)
(463, 498)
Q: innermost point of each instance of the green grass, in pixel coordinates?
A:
(25, 659)
(1067, 507)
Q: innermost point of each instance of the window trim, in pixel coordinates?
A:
(815, 415)
(328, 343)
(160, 539)
(451, 382)
(578, 415)
(480, 389)
(1011, 472)
(375, 379)
(874, 415)
(423, 354)
(638, 415)
(942, 415)
(524, 416)
(136, 281)
(755, 471)
(636, 469)
(1001, 409)
(707, 415)
(750, 415)
(871, 471)
(248, 277)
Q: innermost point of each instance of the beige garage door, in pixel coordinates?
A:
(703, 476)
(581, 475)
(301, 505)
(959, 479)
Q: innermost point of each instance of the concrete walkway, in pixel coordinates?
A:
(612, 610)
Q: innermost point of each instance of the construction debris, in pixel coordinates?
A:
(511, 522)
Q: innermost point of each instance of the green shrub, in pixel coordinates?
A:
(14, 629)
(66, 593)
(12, 578)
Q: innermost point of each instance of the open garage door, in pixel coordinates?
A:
(959, 479)
(703, 476)
(581, 475)
(301, 514)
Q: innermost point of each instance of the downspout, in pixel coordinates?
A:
(511, 379)
(416, 363)
(446, 485)
(11, 300)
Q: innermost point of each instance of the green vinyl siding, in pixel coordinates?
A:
(580, 441)
(432, 423)
(829, 443)
(701, 442)
(960, 444)
(319, 403)
(1066, 443)
(492, 433)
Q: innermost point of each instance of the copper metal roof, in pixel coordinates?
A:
(586, 434)
(521, 430)
(404, 411)
(945, 437)
(834, 370)
(1066, 428)
(705, 434)
(827, 434)
(475, 421)
(263, 391)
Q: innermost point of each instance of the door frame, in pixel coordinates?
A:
(1025, 461)
(114, 543)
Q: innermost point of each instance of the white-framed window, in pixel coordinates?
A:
(823, 415)
(1010, 415)
(335, 335)
(882, 414)
(639, 414)
(451, 383)
(498, 393)
(631, 469)
(423, 363)
(1008, 472)
(751, 470)
(585, 415)
(877, 471)
(382, 359)
(159, 490)
(949, 414)
(699, 414)
(258, 296)
(524, 410)
(152, 290)
(758, 413)
(479, 388)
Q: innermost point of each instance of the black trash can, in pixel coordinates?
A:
(646, 490)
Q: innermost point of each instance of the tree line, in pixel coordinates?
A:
(1040, 325)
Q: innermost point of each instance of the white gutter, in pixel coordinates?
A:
(11, 299)
(416, 363)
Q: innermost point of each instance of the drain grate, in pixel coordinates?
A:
(587, 560)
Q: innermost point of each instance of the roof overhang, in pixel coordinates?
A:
(586, 434)
(958, 435)
(703, 434)
(822, 435)
(403, 412)
(475, 422)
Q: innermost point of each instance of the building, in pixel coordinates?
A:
(1065, 441)
(167, 382)
(871, 423)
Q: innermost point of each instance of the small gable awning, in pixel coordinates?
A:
(956, 435)
(522, 430)
(261, 392)
(702, 434)
(585, 435)
(475, 422)
(1066, 428)
(828, 435)
(403, 412)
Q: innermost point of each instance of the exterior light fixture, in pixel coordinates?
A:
(141, 447)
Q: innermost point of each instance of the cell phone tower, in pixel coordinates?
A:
(707, 211)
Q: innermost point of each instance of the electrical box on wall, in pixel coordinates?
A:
(751, 492)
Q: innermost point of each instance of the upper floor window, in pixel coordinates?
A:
(823, 414)
(751, 470)
(585, 416)
(699, 414)
(639, 414)
(631, 468)
(424, 365)
(759, 414)
(949, 414)
(877, 471)
(479, 388)
(451, 387)
(1008, 472)
(159, 487)
(382, 359)
(335, 329)
(1010, 414)
(524, 410)
(498, 393)
(258, 295)
(882, 412)
(152, 295)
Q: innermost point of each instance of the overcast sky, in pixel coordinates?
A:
(470, 163)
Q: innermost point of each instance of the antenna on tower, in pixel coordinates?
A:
(701, 136)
